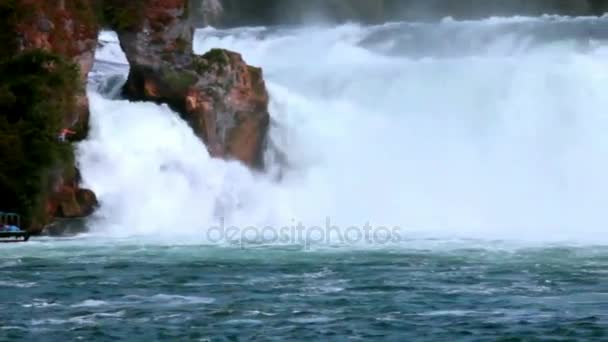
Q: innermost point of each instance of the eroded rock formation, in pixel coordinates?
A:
(48, 51)
(68, 200)
(224, 99)
(67, 28)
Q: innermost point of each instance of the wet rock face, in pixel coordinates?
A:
(152, 32)
(68, 200)
(73, 203)
(228, 106)
(218, 94)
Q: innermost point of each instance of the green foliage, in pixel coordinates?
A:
(216, 56)
(200, 65)
(179, 81)
(37, 91)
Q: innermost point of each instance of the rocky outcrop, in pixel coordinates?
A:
(48, 50)
(69, 29)
(228, 106)
(224, 99)
(69, 201)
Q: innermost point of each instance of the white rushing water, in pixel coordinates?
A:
(493, 129)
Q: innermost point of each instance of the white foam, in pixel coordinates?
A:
(507, 143)
(312, 320)
(154, 177)
(17, 284)
(90, 303)
(109, 50)
(177, 299)
(490, 146)
(171, 300)
(90, 319)
(244, 322)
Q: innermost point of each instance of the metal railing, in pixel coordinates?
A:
(11, 219)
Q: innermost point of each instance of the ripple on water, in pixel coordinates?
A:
(171, 300)
(243, 322)
(89, 303)
(40, 303)
(311, 320)
(79, 320)
(13, 327)
(405, 296)
(321, 290)
(10, 263)
(457, 313)
(259, 313)
(17, 284)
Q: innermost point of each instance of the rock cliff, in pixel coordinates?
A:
(223, 99)
(48, 51)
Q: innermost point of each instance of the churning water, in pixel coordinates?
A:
(489, 129)
(479, 147)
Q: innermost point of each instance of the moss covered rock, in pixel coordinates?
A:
(47, 52)
(38, 88)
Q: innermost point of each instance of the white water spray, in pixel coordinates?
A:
(491, 130)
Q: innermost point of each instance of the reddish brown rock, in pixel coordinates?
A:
(72, 203)
(228, 106)
(218, 94)
(68, 200)
(68, 28)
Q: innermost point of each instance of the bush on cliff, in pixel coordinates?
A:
(36, 90)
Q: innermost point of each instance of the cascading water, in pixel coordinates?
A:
(492, 129)
(483, 141)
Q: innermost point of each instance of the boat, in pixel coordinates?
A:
(10, 228)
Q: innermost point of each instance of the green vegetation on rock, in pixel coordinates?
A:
(37, 90)
(216, 56)
(213, 58)
(179, 81)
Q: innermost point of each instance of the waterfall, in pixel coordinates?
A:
(489, 129)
